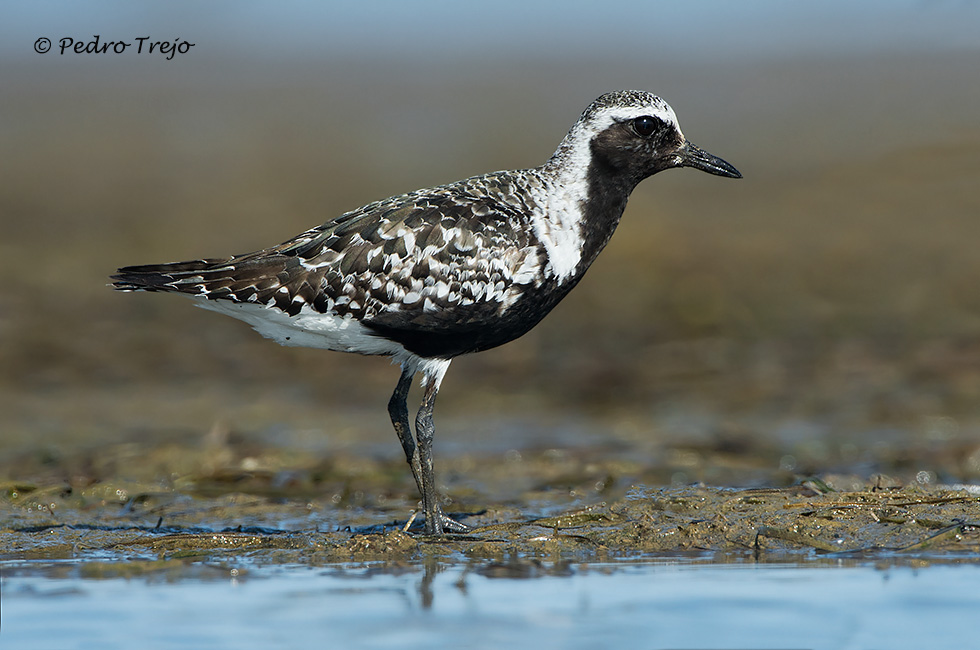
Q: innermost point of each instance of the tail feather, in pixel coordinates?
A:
(268, 279)
(185, 277)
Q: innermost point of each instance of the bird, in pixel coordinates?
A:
(430, 275)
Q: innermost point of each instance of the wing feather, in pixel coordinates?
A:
(431, 260)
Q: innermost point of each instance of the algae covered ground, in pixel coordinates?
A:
(262, 505)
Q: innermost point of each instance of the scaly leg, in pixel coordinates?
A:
(435, 522)
(398, 410)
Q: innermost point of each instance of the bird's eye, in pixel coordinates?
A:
(645, 126)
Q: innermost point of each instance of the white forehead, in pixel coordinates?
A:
(622, 106)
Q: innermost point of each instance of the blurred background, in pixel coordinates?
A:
(822, 313)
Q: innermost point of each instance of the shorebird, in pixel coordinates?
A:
(433, 274)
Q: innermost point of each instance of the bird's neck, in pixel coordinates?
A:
(602, 209)
(596, 193)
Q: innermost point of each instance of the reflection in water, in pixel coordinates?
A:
(430, 567)
(646, 604)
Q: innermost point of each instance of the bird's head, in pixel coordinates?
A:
(634, 134)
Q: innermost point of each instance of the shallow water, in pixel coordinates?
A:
(652, 604)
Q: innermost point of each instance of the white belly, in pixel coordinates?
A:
(311, 329)
(308, 329)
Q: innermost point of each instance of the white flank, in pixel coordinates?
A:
(311, 329)
(308, 329)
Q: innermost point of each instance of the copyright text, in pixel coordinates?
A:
(138, 45)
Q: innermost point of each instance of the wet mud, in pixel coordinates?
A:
(359, 510)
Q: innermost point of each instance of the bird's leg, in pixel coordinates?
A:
(435, 522)
(424, 432)
(398, 410)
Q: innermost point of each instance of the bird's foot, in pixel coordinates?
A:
(440, 524)
(450, 525)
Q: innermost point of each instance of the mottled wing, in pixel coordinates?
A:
(430, 260)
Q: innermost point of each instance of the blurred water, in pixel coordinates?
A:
(641, 605)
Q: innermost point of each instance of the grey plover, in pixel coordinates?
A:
(427, 276)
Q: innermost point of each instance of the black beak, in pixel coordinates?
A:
(690, 156)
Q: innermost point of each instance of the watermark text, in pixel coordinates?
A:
(95, 45)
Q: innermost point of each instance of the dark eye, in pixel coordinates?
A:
(645, 126)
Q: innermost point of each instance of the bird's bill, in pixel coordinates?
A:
(692, 156)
